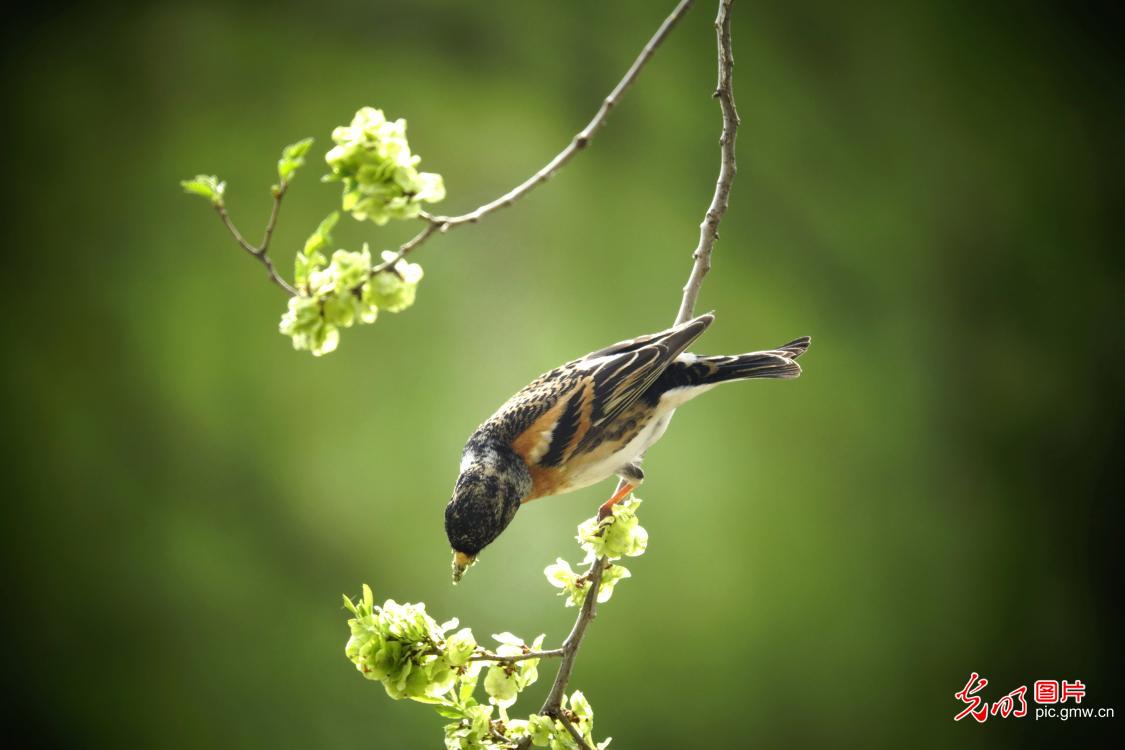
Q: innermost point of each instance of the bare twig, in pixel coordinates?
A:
(582, 743)
(577, 143)
(487, 656)
(501, 738)
(405, 248)
(582, 139)
(259, 252)
(278, 194)
(709, 228)
(570, 646)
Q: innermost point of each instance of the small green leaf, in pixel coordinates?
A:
(322, 235)
(311, 258)
(206, 186)
(292, 158)
(297, 150)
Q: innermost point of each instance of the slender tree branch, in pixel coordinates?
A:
(487, 656)
(405, 248)
(709, 228)
(588, 612)
(258, 252)
(584, 136)
(501, 738)
(577, 143)
(582, 743)
(225, 218)
(278, 194)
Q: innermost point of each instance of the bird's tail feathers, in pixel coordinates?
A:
(775, 363)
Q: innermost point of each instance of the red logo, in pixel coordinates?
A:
(1045, 692)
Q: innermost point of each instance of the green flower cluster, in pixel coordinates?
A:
(373, 160)
(381, 182)
(504, 681)
(344, 291)
(547, 732)
(575, 585)
(406, 649)
(415, 657)
(615, 536)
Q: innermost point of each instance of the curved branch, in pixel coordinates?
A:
(582, 743)
(577, 143)
(260, 252)
(584, 136)
(487, 656)
(709, 228)
(589, 611)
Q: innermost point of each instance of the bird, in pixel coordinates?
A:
(585, 421)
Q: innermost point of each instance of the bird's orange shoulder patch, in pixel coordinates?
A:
(532, 443)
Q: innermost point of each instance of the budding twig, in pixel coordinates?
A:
(444, 223)
(259, 252)
(487, 656)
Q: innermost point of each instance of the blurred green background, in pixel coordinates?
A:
(923, 188)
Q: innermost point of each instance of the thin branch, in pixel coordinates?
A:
(486, 656)
(709, 228)
(584, 136)
(577, 143)
(405, 248)
(507, 741)
(278, 194)
(259, 253)
(582, 743)
(589, 611)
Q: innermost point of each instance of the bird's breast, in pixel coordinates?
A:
(623, 443)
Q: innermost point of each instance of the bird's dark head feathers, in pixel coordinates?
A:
(493, 483)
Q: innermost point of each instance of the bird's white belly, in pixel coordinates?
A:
(636, 447)
(633, 451)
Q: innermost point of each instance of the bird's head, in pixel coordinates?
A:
(493, 483)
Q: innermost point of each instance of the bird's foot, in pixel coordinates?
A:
(606, 508)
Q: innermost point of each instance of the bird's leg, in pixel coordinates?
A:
(631, 478)
(607, 507)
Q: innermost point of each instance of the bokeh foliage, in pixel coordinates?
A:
(924, 189)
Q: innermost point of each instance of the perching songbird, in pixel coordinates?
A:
(586, 421)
